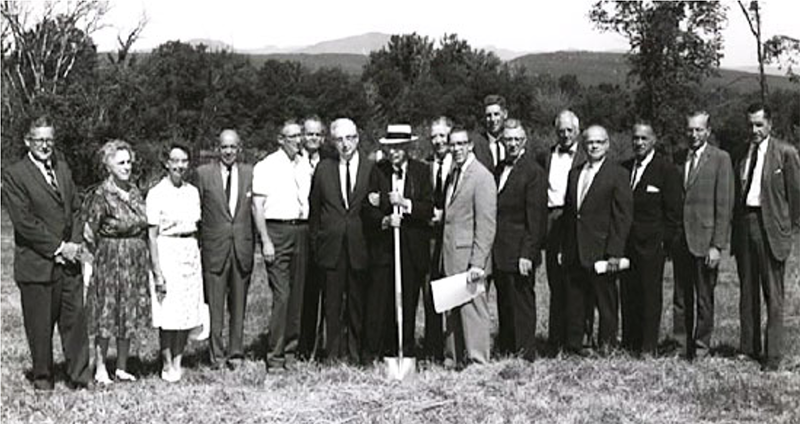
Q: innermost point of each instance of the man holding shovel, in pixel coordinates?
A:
(400, 196)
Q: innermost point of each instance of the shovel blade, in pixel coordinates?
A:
(400, 368)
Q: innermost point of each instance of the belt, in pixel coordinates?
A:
(555, 208)
(183, 235)
(752, 209)
(287, 221)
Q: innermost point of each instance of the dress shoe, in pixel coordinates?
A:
(43, 384)
(171, 375)
(101, 377)
(123, 375)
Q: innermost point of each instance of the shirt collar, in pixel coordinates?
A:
(647, 159)
(699, 150)
(596, 165)
(353, 159)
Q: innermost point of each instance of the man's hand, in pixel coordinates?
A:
(160, 286)
(396, 199)
(712, 259)
(70, 252)
(268, 251)
(395, 220)
(476, 274)
(374, 199)
(438, 214)
(613, 265)
(525, 266)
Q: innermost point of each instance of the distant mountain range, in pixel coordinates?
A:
(351, 53)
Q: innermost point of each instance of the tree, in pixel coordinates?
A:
(674, 46)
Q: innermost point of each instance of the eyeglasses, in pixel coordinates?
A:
(519, 139)
(292, 136)
(350, 138)
(41, 141)
(313, 134)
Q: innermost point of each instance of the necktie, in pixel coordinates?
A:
(584, 185)
(398, 172)
(635, 174)
(51, 175)
(498, 159)
(692, 165)
(348, 183)
(228, 183)
(454, 180)
(751, 167)
(438, 196)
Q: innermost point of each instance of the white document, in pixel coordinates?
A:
(601, 267)
(455, 290)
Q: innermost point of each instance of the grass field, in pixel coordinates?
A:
(616, 389)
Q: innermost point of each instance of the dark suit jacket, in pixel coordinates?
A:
(415, 229)
(42, 218)
(481, 150)
(332, 227)
(708, 201)
(221, 233)
(780, 197)
(521, 214)
(599, 229)
(657, 207)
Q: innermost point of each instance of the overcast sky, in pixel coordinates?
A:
(522, 25)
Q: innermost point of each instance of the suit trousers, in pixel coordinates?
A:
(312, 334)
(378, 312)
(467, 332)
(413, 279)
(229, 286)
(43, 306)
(641, 295)
(287, 275)
(583, 288)
(556, 276)
(433, 345)
(516, 310)
(344, 310)
(759, 270)
(696, 282)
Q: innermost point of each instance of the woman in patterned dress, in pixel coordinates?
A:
(116, 232)
(173, 210)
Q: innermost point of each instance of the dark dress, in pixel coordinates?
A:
(118, 302)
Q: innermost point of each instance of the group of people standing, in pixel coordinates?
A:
(324, 210)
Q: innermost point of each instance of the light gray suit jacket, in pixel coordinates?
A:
(470, 221)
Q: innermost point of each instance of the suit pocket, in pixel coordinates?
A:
(463, 241)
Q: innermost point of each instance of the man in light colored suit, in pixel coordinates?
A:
(468, 234)
(44, 208)
(226, 236)
(767, 215)
(707, 208)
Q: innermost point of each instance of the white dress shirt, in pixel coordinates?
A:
(447, 163)
(638, 171)
(285, 185)
(399, 185)
(585, 180)
(496, 146)
(353, 175)
(560, 165)
(689, 159)
(234, 184)
(464, 167)
(40, 166)
(507, 171)
(754, 195)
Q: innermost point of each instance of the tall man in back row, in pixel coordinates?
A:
(489, 148)
(281, 184)
(767, 215)
(707, 207)
(226, 236)
(44, 208)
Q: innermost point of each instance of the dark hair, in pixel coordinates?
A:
(39, 121)
(756, 107)
(172, 145)
(494, 99)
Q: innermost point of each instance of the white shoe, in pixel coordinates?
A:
(101, 377)
(123, 375)
(171, 376)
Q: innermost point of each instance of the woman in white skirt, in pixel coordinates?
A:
(173, 210)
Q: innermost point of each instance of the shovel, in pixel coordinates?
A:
(399, 368)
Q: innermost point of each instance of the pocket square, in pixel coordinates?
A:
(778, 171)
(652, 189)
(248, 194)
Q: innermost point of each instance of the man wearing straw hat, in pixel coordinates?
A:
(400, 196)
(469, 229)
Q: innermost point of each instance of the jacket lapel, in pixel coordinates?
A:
(700, 162)
(219, 188)
(37, 176)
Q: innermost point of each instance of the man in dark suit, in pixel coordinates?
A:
(657, 200)
(707, 208)
(399, 197)
(43, 204)
(469, 230)
(598, 214)
(766, 216)
(338, 190)
(226, 237)
(441, 161)
(557, 162)
(521, 226)
(489, 148)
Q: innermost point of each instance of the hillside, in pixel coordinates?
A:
(599, 67)
(350, 63)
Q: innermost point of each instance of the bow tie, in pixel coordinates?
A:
(562, 149)
(506, 162)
